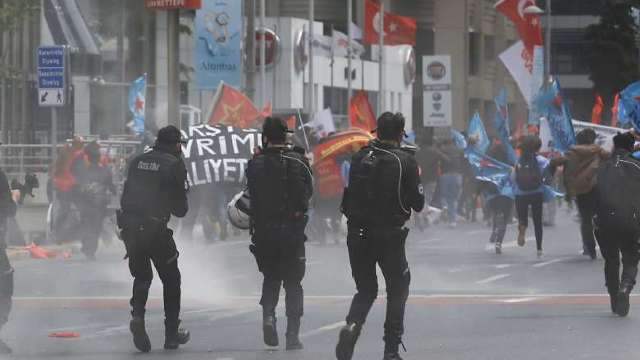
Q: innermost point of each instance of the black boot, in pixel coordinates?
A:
(270, 331)
(174, 336)
(293, 334)
(613, 299)
(347, 341)
(622, 302)
(139, 332)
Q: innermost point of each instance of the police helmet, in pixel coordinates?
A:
(238, 210)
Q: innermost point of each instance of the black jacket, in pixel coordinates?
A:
(280, 185)
(156, 186)
(384, 186)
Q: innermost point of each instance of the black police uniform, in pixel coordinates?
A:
(384, 187)
(280, 183)
(7, 210)
(616, 240)
(155, 189)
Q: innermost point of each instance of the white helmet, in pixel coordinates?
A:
(238, 210)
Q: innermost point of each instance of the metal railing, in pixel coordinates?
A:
(19, 159)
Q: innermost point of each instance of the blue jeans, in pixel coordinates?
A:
(451, 188)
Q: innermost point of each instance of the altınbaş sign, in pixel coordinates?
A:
(436, 75)
(172, 4)
(219, 42)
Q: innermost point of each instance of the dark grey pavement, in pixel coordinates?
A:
(466, 303)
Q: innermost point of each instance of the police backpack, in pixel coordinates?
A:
(617, 189)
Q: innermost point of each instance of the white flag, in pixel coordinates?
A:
(515, 60)
(322, 123)
(341, 47)
(322, 45)
(356, 32)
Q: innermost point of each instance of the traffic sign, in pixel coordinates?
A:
(51, 76)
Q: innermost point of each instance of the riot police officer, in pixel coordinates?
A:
(156, 188)
(7, 210)
(384, 187)
(280, 184)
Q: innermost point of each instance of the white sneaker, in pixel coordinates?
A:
(540, 254)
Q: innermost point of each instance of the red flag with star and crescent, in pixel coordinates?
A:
(233, 108)
(528, 25)
(398, 30)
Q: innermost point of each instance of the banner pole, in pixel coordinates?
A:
(304, 132)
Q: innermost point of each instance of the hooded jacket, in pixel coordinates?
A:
(581, 165)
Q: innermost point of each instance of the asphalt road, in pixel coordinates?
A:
(466, 303)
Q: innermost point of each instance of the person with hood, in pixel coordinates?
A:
(617, 221)
(581, 165)
(384, 189)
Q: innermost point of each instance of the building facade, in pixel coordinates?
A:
(116, 41)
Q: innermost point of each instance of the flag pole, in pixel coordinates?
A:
(304, 131)
(263, 56)
(381, 85)
(350, 38)
(312, 96)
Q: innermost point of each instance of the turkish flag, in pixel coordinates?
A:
(398, 30)
(596, 113)
(361, 114)
(528, 25)
(233, 108)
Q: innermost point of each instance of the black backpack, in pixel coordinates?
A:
(359, 199)
(528, 173)
(617, 189)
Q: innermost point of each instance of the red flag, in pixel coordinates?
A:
(232, 107)
(528, 25)
(398, 30)
(328, 157)
(596, 113)
(614, 111)
(361, 114)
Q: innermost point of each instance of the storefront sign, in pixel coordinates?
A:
(436, 75)
(172, 4)
(218, 44)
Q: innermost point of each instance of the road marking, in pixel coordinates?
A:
(503, 266)
(323, 329)
(519, 300)
(478, 232)
(545, 263)
(492, 279)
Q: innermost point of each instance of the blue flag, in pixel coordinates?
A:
(501, 123)
(458, 139)
(628, 110)
(476, 130)
(490, 170)
(137, 103)
(559, 117)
